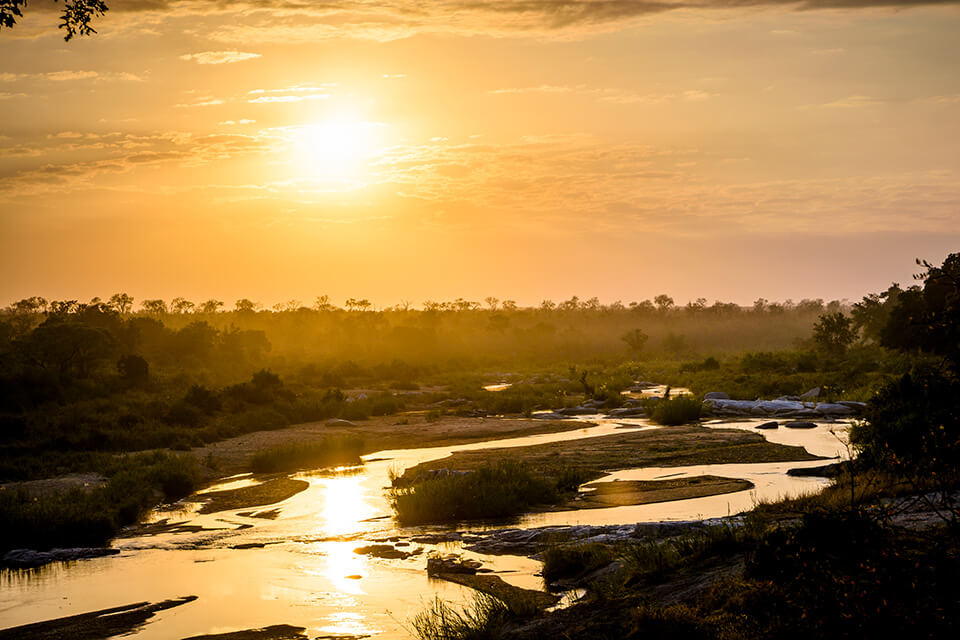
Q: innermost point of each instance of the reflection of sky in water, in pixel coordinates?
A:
(304, 580)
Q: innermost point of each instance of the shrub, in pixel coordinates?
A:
(487, 618)
(496, 490)
(574, 561)
(679, 410)
(328, 452)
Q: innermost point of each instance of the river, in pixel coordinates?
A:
(307, 573)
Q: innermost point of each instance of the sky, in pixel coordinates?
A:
(412, 150)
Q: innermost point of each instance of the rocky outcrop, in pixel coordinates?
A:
(784, 407)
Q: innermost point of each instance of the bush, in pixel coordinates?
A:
(492, 491)
(328, 452)
(574, 561)
(679, 410)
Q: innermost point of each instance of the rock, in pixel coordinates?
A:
(769, 425)
(451, 564)
(548, 415)
(353, 576)
(834, 408)
(716, 395)
(338, 422)
(27, 558)
(577, 411)
(800, 425)
(856, 406)
(825, 471)
(812, 394)
(382, 551)
(627, 412)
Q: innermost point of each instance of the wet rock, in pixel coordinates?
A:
(385, 551)
(27, 558)
(451, 564)
(812, 394)
(835, 408)
(716, 395)
(799, 424)
(769, 425)
(627, 412)
(549, 415)
(577, 411)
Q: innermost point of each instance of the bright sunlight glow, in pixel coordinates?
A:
(338, 149)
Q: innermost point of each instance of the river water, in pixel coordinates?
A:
(307, 573)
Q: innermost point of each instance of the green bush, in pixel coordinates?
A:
(679, 410)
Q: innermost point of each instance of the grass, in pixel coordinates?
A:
(92, 517)
(328, 452)
(486, 618)
(574, 561)
(497, 490)
(675, 411)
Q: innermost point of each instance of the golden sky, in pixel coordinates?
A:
(527, 149)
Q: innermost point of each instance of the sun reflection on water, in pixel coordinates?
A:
(345, 504)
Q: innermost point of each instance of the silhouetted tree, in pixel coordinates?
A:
(181, 305)
(210, 306)
(156, 307)
(636, 340)
(663, 302)
(244, 305)
(121, 302)
(75, 19)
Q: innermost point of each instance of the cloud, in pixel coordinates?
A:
(207, 101)
(305, 20)
(852, 102)
(219, 57)
(72, 75)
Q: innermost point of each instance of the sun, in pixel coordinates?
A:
(338, 148)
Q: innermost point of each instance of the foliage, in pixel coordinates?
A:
(329, 452)
(91, 517)
(486, 618)
(834, 332)
(496, 490)
(574, 561)
(674, 411)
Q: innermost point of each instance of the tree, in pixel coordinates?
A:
(121, 302)
(322, 303)
(663, 302)
(834, 332)
(33, 304)
(210, 306)
(181, 305)
(509, 305)
(928, 318)
(636, 340)
(156, 307)
(244, 305)
(75, 19)
(492, 302)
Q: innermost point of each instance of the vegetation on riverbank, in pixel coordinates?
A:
(92, 516)
(496, 490)
(332, 451)
(875, 555)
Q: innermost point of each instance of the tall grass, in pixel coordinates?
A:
(679, 410)
(574, 561)
(486, 618)
(329, 452)
(496, 490)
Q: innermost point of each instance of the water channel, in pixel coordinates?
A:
(306, 574)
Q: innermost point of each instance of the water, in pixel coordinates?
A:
(308, 575)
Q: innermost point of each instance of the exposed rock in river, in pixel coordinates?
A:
(781, 407)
